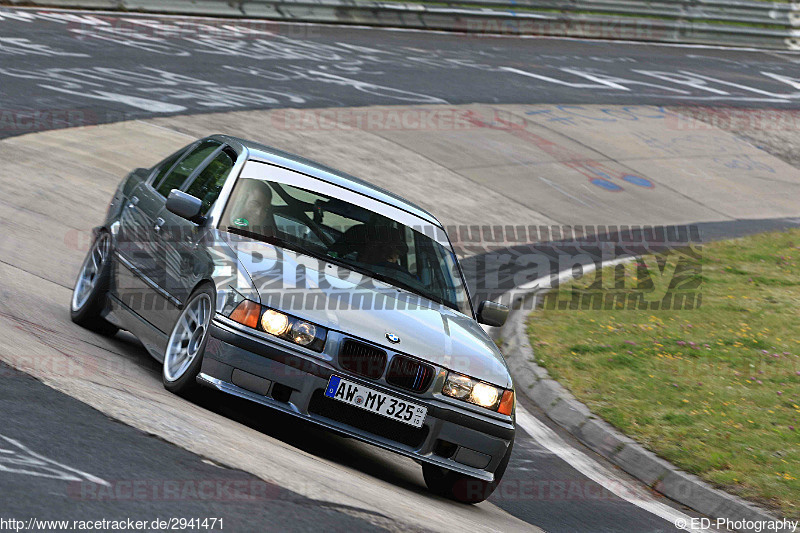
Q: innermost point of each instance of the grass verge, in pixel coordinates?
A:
(715, 389)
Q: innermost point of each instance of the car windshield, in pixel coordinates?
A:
(336, 230)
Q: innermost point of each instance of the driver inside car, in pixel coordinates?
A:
(253, 207)
(391, 257)
(385, 254)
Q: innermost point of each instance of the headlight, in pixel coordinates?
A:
(303, 333)
(484, 395)
(280, 325)
(458, 386)
(477, 392)
(274, 323)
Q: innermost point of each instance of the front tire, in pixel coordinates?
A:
(89, 293)
(462, 488)
(183, 355)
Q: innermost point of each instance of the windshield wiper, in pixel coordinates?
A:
(397, 283)
(269, 239)
(277, 241)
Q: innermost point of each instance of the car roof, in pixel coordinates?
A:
(268, 154)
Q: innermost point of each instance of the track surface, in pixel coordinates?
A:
(77, 70)
(82, 69)
(147, 478)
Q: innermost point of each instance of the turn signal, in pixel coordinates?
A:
(507, 403)
(246, 313)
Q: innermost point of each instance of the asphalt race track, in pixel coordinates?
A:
(149, 475)
(93, 68)
(138, 452)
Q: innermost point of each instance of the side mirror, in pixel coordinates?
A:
(184, 205)
(492, 313)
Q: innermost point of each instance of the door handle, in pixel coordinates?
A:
(159, 223)
(133, 202)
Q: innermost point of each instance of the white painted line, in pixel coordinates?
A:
(153, 106)
(409, 30)
(45, 460)
(565, 193)
(598, 473)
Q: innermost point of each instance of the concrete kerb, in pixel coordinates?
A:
(572, 415)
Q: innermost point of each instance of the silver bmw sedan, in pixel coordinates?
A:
(275, 279)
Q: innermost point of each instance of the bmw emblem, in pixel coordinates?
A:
(391, 337)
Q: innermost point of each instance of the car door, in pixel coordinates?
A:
(136, 269)
(177, 239)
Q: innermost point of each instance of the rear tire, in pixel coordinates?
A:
(462, 488)
(183, 355)
(89, 293)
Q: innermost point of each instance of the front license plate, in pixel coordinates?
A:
(374, 401)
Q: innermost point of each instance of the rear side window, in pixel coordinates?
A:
(184, 169)
(167, 164)
(209, 182)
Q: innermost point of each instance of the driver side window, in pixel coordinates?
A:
(208, 184)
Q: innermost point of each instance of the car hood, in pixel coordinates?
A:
(344, 300)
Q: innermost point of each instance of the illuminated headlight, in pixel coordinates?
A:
(473, 391)
(279, 324)
(274, 323)
(484, 395)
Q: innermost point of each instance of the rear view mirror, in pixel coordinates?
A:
(184, 205)
(492, 313)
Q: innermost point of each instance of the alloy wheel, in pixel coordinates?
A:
(187, 337)
(90, 271)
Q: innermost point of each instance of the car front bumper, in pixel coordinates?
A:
(273, 375)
